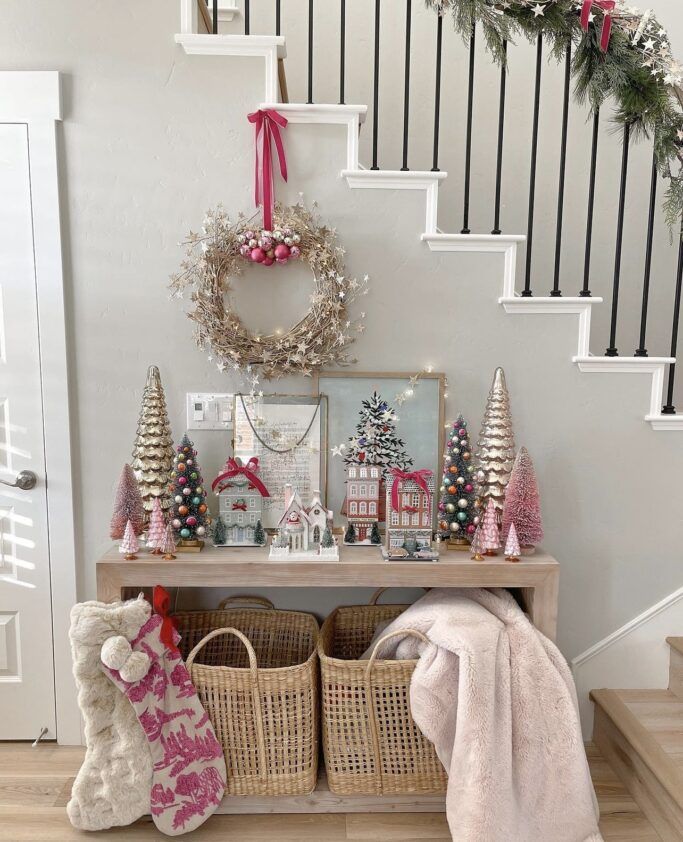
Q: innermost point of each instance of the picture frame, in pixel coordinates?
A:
(288, 434)
(421, 418)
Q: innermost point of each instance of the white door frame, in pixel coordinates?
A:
(33, 98)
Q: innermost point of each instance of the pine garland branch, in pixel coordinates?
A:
(637, 70)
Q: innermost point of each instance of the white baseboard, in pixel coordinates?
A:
(636, 656)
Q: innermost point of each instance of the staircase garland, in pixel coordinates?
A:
(619, 52)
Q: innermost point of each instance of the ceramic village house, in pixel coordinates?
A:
(412, 517)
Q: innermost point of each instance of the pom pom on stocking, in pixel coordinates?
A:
(117, 654)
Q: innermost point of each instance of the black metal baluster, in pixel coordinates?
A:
(585, 291)
(437, 93)
(641, 351)
(526, 292)
(468, 144)
(406, 89)
(669, 408)
(501, 132)
(310, 51)
(214, 18)
(555, 291)
(342, 51)
(375, 99)
(246, 16)
(612, 350)
(278, 17)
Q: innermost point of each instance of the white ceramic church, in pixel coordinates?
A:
(301, 529)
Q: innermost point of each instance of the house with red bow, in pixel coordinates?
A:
(409, 505)
(240, 494)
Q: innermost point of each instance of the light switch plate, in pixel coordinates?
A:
(209, 411)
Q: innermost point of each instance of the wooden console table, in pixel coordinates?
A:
(535, 578)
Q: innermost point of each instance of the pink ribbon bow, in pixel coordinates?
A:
(607, 7)
(234, 469)
(418, 477)
(267, 123)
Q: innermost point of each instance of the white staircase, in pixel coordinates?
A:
(272, 48)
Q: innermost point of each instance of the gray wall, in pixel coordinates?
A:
(152, 138)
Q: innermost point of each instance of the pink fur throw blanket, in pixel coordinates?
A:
(498, 701)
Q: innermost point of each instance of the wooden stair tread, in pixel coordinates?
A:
(661, 713)
(676, 643)
(645, 758)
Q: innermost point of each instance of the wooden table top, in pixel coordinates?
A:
(359, 566)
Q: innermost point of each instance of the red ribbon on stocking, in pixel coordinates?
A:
(267, 123)
(418, 477)
(162, 605)
(607, 7)
(234, 469)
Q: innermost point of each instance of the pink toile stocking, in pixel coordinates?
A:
(189, 769)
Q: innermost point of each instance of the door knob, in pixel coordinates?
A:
(25, 481)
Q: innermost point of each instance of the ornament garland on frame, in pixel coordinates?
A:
(496, 446)
(459, 506)
(153, 448)
(189, 518)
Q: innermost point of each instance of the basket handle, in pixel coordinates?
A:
(246, 599)
(372, 713)
(255, 689)
(379, 592)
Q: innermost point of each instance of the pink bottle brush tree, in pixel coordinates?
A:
(522, 502)
(127, 506)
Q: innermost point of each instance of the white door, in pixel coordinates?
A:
(27, 694)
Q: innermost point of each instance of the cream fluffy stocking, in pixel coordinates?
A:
(114, 783)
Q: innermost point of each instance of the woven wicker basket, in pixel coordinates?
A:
(257, 677)
(370, 740)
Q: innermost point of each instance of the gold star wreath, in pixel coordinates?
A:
(321, 337)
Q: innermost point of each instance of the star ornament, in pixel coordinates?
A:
(337, 451)
(538, 10)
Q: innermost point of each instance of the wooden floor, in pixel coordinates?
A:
(35, 786)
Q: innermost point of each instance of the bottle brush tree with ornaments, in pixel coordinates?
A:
(190, 517)
(153, 448)
(128, 506)
(376, 441)
(459, 506)
(522, 503)
(496, 446)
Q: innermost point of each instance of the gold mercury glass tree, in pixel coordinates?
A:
(153, 450)
(495, 454)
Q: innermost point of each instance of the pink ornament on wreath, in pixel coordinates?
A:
(282, 251)
(258, 255)
(295, 251)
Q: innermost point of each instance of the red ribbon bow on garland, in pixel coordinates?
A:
(234, 469)
(239, 506)
(267, 123)
(418, 477)
(162, 604)
(607, 7)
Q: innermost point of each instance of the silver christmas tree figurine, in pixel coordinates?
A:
(153, 450)
(496, 446)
